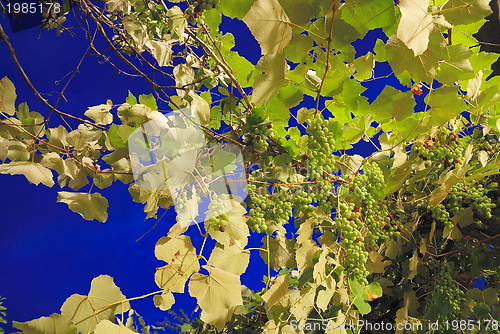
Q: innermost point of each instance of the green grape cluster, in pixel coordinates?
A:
(195, 10)
(320, 147)
(349, 224)
(258, 138)
(446, 285)
(369, 187)
(219, 219)
(444, 146)
(440, 214)
(182, 201)
(263, 205)
(473, 195)
(492, 278)
(364, 223)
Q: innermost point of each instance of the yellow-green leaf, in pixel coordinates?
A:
(415, 25)
(107, 327)
(181, 259)
(89, 206)
(55, 324)
(164, 301)
(100, 114)
(34, 172)
(101, 303)
(233, 259)
(7, 96)
(268, 22)
(218, 290)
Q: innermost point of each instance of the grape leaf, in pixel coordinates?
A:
(401, 58)
(456, 66)
(4, 148)
(466, 11)
(162, 51)
(392, 103)
(445, 104)
(241, 67)
(89, 206)
(233, 259)
(277, 290)
(118, 5)
(107, 327)
(181, 259)
(219, 318)
(360, 296)
(281, 250)
(235, 8)
(268, 85)
(119, 134)
(268, 23)
(415, 25)
(184, 76)
(86, 311)
(200, 107)
(216, 291)
(55, 324)
(365, 15)
(100, 114)
(17, 150)
(131, 99)
(164, 301)
(364, 67)
(7, 96)
(325, 296)
(34, 172)
(148, 100)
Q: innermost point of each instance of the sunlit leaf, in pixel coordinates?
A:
(415, 25)
(217, 290)
(268, 23)
(233, 259)
(365, 15)
(466, 11)
(164, 301)
(107, 327)
(55, 324)
(34, 172)
(103, 302)
(100, 114)
(181, 259)
(7, 96)
(89, 206)
(268, 85)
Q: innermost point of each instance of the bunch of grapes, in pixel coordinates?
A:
(462, 195)
(181, 201)
(349, 224)
(365, 227)
(444, 146)
(441, 215)
(492, 279)
(219, 219)
(369, 187)
(321, 146)
(259, 137)
(446, 285)
(195, 11)
(263, 205)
